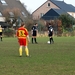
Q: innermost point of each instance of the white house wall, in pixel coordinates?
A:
(72, 14)
(2, 19)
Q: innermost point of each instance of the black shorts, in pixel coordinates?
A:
(51, 34)
(0, 33)
(34, 34)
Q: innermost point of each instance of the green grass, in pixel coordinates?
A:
(46, 59)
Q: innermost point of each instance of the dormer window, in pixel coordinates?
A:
(11, 14)
(3, 2)
(24, 14)
(0, 14)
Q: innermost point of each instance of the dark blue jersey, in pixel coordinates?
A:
(50, 28)
(34, 28)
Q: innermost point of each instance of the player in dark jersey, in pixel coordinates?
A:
(34, 32)
(50, 33)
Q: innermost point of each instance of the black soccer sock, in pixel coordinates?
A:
(35, 40)
(1, 38)
(50, 40)
(32, 40)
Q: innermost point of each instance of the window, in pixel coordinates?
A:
(48, 5)
(11, 14)
(0, 14)
(41, 14)
(3, 2)
(24, 14)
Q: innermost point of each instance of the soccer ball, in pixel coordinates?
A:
(48, 42)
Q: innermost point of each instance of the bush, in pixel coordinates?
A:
(9, 32)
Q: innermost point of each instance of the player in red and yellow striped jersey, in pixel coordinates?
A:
(1, 30)
(23, 39)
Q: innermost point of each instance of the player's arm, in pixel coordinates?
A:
(26, 31)
(53, 32)
(2, 28)
(17, 33)
(48, 31)
(28, 38)
(37, 31)
(31, 32)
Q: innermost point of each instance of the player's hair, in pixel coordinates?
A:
(22, 24)
(49, 23)
(35, 23)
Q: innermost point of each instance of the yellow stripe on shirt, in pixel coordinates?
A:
(0, 29)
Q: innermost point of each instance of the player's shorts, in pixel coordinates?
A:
(34, 33)
(0, 33)
(51, 34)
(23, 42)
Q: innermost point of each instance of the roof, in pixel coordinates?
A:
(51, 14)
(64, 6)
(60, 11)
(11, 4)
(54, 13)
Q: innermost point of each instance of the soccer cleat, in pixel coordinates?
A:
(32, 43)
(36, 42)
(52, 42)
(28, 55)
(20, 56)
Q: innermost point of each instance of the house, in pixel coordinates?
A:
(15, 5)
(52, 9)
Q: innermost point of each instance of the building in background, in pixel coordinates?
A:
(16, 10)
(51, 9)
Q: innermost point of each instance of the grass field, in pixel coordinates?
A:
(46, 59)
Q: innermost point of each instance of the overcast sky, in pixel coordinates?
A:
(32, 5)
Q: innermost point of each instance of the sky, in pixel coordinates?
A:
(32, 5)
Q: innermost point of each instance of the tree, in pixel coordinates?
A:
(6, 15)
(11, 16)
(67, 20)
